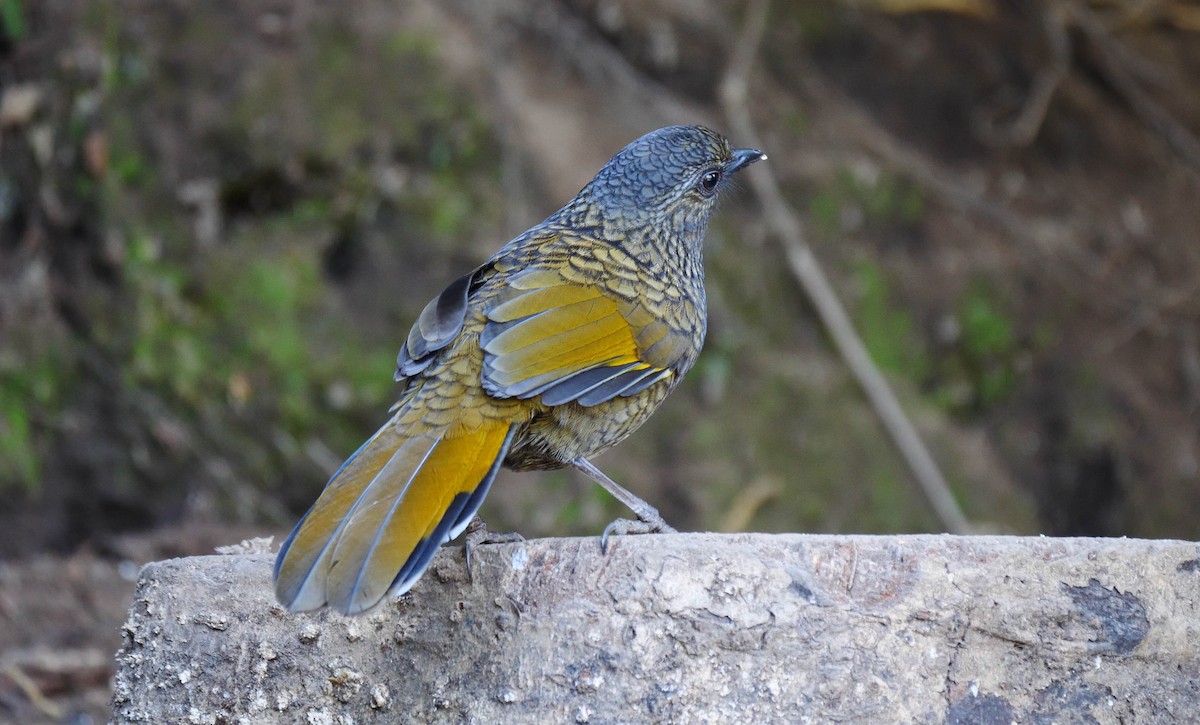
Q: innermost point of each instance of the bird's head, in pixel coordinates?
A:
(670, 177)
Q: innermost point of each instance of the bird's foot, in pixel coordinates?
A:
(628, 527)
(478, 535)
(649, 520)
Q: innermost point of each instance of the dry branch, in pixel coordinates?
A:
(1111, 56)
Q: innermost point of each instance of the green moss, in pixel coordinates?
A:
(404, 45)
(354, 97)
(825, 211)
(33, 385)
(449, 210)
(886, 328)
(982, 362)
(883, 200)
(796, 122)
(18, 457)
(253, 349)
(12, 19)
(988, 345)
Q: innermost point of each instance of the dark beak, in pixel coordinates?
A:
(743, 158)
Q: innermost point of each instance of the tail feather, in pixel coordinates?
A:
(382, 517)
(458, 515)
(298, 583)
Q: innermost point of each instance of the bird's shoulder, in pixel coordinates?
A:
(566, 280)
(585, 257)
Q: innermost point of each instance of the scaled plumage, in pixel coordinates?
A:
(556, 348)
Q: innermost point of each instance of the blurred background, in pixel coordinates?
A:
(218, 220)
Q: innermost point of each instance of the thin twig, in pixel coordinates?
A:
(1120, 67)
(1148, 316)
(32, 692)
(1025, 127)
(811, 277)
(1112, 62)
(748, 502)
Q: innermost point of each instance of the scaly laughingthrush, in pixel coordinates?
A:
(553, 350)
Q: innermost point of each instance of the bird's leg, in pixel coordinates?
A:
(478, 535)
(649, 519)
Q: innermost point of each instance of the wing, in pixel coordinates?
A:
(438, 324)
(567, 341)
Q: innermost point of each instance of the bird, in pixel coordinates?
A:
(556, 348)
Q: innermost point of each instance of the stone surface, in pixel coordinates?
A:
(690, 628)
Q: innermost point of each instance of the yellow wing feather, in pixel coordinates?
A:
(547, 330)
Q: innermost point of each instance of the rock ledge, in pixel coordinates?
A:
(690, 628)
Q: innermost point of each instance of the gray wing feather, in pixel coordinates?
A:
(439, 323)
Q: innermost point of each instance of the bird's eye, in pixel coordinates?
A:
(708, 182)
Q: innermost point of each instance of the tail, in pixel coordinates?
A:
(383, 515)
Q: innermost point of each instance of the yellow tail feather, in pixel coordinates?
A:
(384, 513)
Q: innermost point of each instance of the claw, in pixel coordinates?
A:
(649, 520)
(608, 530)
(630, 527)
(478, 535)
